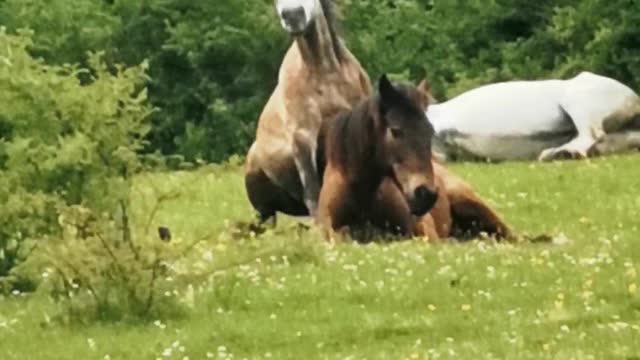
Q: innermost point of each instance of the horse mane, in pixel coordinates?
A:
(409, 99)
(350, 139)
(328, 8)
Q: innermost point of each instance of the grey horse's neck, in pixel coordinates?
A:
(319, 45)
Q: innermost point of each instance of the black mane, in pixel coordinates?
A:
(349, 140)
(328, 8)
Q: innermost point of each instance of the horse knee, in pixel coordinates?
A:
(471, 219)
(257, 188)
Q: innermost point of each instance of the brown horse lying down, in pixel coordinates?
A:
(378, 170)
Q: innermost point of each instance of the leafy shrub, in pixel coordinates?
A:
(99, 272)
(68, 156)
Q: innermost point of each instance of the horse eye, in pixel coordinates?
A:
(396, 133)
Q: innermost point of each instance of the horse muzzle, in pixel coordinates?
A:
(423, 200)
(294, 20)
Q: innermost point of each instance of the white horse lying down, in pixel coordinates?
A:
(549, 119)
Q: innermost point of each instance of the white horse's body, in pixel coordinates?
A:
(522, 120)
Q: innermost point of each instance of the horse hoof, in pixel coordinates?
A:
(547, 155)
(562, 154)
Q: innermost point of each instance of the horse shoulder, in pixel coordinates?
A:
(311, 98)
(355, 77)
(301, 109)
(338, 93)
(361, 78)
(270, 122)
(365, 83)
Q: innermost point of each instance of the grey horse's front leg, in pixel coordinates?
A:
(304, 154)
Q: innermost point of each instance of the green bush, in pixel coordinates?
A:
(96, 272)
(68, 157)
(73, 144)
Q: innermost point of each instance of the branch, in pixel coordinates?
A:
(113, 257)
(172, 195)
(126, 230)
(152, 284)
(92, 290)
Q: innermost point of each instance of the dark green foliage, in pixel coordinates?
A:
(213, 64)
(65, 30)
(218, 65)
(462, 44)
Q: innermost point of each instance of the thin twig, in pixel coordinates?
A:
(170, 195)
(65, 285)
(152, 283)
(92, 290)
(126, 230)
(158, 205)
(113, 257)
(188, 249)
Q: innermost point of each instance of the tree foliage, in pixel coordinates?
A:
(213, 64)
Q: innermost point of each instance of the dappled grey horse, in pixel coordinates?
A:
(318, 79)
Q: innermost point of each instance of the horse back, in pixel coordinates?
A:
(518, 107)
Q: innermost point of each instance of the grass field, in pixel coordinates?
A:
(288, 295)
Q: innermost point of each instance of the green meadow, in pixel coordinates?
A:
(286, 294)
(110, 109)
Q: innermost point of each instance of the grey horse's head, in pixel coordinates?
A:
(297, 15)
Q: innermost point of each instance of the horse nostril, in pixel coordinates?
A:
(293, 15)
(421, 193)
(423, 200)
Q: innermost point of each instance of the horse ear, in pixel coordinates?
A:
(423, 92)
(388, 93)
(385, 88)
(423, 86)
